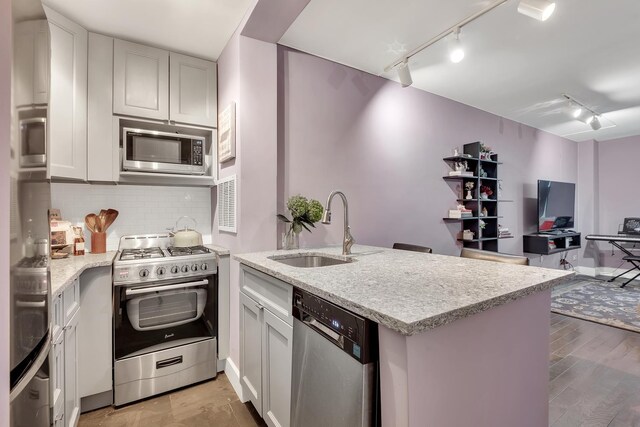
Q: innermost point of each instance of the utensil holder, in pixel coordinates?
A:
(98, 243)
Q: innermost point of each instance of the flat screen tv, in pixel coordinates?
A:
(556, 206)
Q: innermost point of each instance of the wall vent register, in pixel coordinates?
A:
(227, 204)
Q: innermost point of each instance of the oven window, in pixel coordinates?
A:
(158, 149)
(168, 309)
(33, 139)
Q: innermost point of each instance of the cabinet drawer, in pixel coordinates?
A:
(272, 293)
(71, 298)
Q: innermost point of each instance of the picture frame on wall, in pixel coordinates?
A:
(227, 133)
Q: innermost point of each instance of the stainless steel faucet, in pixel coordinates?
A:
(348, 240)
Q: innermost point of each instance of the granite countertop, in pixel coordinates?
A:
(219, 250)
(65, 271)
(409, 292)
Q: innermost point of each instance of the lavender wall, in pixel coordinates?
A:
(616, 173)
(247, 73)
(5, 126)
(383, 145)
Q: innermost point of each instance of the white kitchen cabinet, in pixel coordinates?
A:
(277, 350)
(71, 394)
(102, 145)
(95, 349)
(266, 345)
(31, 63)
(251, 350)
(140, 80)
(71, 299)
(67, 126)
(57, 381)
(192, 90)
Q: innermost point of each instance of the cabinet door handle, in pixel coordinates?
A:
(259, 306)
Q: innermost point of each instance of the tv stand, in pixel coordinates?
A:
(551, 243)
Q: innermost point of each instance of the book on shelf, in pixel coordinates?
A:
(460, 173)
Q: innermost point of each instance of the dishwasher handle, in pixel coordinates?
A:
(323, 330)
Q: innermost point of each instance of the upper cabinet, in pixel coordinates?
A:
(67, 126)
(155, 84)
(192, 90)
(31, 62)
(140, 81)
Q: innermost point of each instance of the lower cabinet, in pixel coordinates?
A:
(71, 395)
(266, 347)
(80, 356)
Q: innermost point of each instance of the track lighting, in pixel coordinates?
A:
(404, 73)
(456, 52)
(579, 112)
(537, 9)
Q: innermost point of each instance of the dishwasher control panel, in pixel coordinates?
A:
(358, 335)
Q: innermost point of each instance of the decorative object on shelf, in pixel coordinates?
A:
(469, 186)
(467, 235)
(485, 192)
(485, 152)
(461, 169)
(481, 227)
(484, 211)
(460, 212)
(304, 214)
(482, 173)
(455, 152)
(227, 133)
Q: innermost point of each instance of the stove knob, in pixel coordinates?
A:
(204, 267)
(175, 269)
(144, 272)
(161, 271)
(194, 267)
(185, 268)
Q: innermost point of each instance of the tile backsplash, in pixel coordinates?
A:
(143, 209)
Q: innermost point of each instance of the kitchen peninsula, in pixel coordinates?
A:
(453, 332)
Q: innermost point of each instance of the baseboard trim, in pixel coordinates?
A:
(96, 401)
(605, 271)
(233, 374)
(222, 365)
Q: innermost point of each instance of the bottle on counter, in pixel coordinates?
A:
(78, 241)
(29, 247)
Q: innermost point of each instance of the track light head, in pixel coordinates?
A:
(404, 73)
(595, 123)
(537, 9)
(456, 52)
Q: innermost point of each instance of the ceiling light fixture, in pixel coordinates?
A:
(404, 73)
(456, 52)
(537, 9)
(579, 112)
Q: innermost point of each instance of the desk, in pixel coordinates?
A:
(617, 240)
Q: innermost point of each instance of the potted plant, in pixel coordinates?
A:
(304, 214)
(485, 192)
(482, 226)
(469, 186)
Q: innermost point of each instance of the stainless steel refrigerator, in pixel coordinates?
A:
(30, 403)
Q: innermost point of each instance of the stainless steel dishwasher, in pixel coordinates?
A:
(335, 366)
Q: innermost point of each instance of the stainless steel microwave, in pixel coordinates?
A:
(33, 142)
(162, 152)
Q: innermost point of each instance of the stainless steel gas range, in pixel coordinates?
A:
(165, 316)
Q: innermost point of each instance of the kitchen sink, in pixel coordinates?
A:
(310, 261)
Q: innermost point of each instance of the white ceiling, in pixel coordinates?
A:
(200, 28)
(515, 66)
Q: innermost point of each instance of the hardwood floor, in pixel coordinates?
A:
(213, 403)
(594, 375)
(594, 381)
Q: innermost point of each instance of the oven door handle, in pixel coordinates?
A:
(31, 304)
(149, 289)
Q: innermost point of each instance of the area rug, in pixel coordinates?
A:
(601, 302)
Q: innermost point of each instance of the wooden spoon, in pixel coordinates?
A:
(90, 221)
(110, 216)
(101, 220)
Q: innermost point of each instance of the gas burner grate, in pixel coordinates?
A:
(142, 253)
(193, 250)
